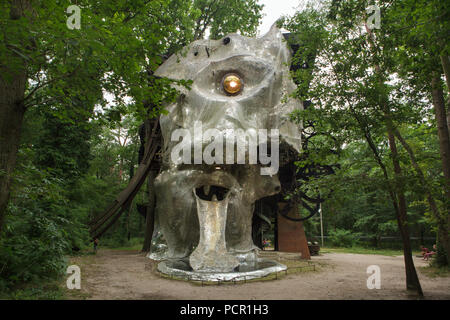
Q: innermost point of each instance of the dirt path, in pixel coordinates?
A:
(115, 274)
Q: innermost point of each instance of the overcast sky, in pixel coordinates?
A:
(274, 9)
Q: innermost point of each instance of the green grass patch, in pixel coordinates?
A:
(136, 247)
(363, 250)
(42, 290)
(51, 289)
(131, 245)
(435, 272)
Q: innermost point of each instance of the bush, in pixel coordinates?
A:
(40, 230)
(114, 243)
(343, 238)
(441, 259)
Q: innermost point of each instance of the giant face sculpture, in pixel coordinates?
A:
(239, 83)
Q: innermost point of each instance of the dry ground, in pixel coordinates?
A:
(113, 274)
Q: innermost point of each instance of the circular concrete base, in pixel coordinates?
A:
(245, 271)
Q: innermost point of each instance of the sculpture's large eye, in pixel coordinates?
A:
(235, 78)
(232, 83)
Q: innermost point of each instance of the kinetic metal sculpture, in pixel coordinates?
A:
(204, 208)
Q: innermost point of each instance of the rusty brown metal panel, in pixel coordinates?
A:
(291, 235)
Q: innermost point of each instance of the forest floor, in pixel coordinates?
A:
(127, 274)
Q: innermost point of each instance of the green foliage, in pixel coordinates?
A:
(343, 238)
(116, 243)
(441, 259)
(364, 250)
(38, 290)
(231, 16)
(40, 229)
(348, 111)
(88, 90)
(62, 145)
(434, 271)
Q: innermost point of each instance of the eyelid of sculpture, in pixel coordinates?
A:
(232, 84)
(254, 74)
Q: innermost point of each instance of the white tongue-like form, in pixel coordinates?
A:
(211, 254)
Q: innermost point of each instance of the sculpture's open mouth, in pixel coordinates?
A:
(211, 254)
(211, 193)
(215, 183)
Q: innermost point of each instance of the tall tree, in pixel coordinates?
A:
(226, 16)
(422, 47)
(44, 62)
(13, 82)
(353, 95)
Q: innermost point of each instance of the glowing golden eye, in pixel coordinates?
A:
(232, 84)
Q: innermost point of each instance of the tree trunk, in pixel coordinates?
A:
(13, 82)
(445, 61)
(445, 238)
(444, 145)
(422, 241)
(441, 121)
(412, 280)
(275, 233)
(12, 113)
(441, 222)
(150, 216)
(396, 194)
(12, 93)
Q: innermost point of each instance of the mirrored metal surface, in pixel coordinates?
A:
(210, 234)
(245, 271)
